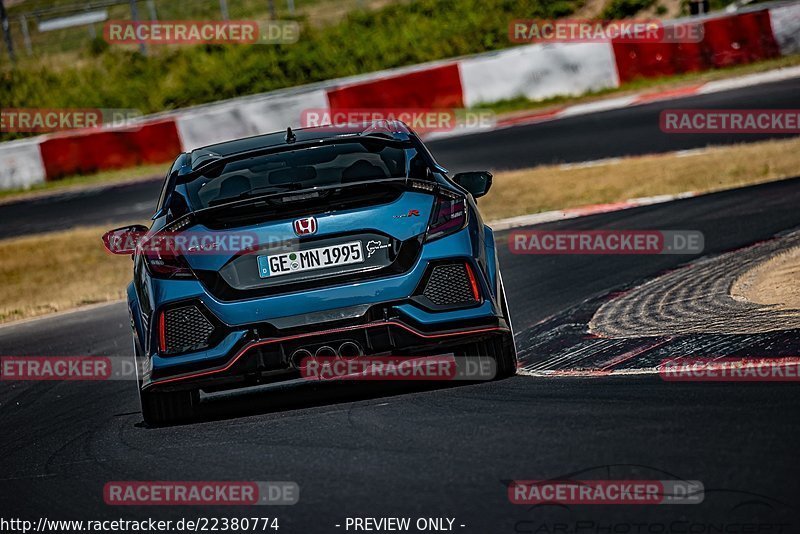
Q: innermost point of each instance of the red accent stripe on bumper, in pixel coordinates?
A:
(254, 344)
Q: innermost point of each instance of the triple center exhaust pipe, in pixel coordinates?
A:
(346, 351)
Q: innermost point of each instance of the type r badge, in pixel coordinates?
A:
(411, 213)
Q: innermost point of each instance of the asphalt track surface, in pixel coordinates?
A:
(622, 132)
(391, 450)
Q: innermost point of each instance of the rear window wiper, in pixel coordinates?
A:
(258, 191)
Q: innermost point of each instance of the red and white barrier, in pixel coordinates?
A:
(536, 71)
(608, 104)
(95, 150)
(435, 87)
(21, 164)
(785, 22)
(245, 117)
(728, 40)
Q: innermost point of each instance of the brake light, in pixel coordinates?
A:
(162, 333)
(473, 282)
(163, 261)
(449, 215)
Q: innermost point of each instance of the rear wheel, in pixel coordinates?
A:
(506, 358)
(166, 407)
(159, 408)
(500, 349)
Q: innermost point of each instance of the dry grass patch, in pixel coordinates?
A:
(772, 283)
(58, 271)
(556, 187)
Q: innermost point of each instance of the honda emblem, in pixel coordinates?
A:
(305, 226)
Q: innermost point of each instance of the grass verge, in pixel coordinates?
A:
(58, 271)
(556, 187)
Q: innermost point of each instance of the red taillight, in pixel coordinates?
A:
(162, 333)
(449, 215)
(163, 260)
(473, 282)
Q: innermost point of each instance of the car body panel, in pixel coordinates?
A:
(391, 219)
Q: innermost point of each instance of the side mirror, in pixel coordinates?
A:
(123, 241)
(477, 183)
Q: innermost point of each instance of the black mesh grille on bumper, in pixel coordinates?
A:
(186, 329)
(449, 285)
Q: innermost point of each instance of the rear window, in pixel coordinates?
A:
(334, 164)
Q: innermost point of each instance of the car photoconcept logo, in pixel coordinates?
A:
(375, 246)
(305, 226)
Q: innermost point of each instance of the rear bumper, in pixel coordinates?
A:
(255, 338)
(254, 361)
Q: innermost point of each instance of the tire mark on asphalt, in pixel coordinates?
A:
(696, 299)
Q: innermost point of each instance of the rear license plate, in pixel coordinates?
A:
(308, 260)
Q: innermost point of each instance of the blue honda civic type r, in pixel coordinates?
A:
(339, 242)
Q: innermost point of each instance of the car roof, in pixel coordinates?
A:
(394, 130)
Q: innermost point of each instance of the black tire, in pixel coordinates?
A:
(502, 350)
(506, 351)
(160, 408)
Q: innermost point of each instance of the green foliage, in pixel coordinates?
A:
(621, 9)
(173, 77)
(97, 46)
(713, 5)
